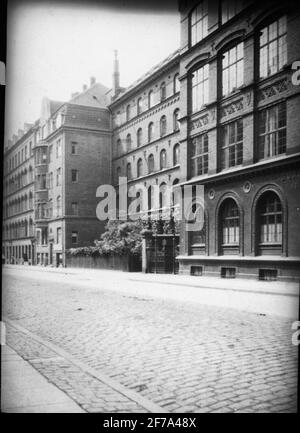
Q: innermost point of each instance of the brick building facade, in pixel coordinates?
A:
(240, 137)
(221, 112)
(70, 157)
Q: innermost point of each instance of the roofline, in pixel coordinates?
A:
(147, 78)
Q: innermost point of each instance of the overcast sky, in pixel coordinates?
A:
(54, 48)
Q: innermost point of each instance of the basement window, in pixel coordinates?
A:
(228, 272)
(196, 270)
(267, 274)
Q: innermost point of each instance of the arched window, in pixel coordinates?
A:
(230, 224)
(199, 23)
(269, 217)
(139, 137)
(197, 237)
(163, 91)
(163, 126)
(119, 147)
(150, 163)
(150, 197)
(150, 99)
(175, 193)
(128, 142)
(163, 159)
(118, 174)
(176, 83)
(176, 125)
(58, 205)
(163, 199)
(128, 112)
(150, 132)
(139, 106)
(139, 167)
(176, 154)
(128, 171)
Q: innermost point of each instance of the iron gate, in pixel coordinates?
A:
(163, 250)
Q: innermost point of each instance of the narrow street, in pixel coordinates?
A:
(113, 349)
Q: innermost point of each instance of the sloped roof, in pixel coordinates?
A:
(94, 96)
(149, 73)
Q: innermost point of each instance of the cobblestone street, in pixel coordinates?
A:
(117, 352)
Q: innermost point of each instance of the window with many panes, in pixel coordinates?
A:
(230, 221)
(273, 48)
(272, 131)
(199, 155)
(200, 87)
(233, 69)
(232, 144)
(199, 22)
(270, 219)
(230, 8)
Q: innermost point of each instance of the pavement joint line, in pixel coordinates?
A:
(259, 292)
(131, 395)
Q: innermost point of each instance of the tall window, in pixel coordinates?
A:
(118, 174)
(128, 142)
(128, 112)
(150, 163)
(163, 198)
(139, 137)
(74, 148)
(199, 22)
(139, 167)
(58, 177)
(232, 144)
(128, 171)
(74, 175)
(270, 219)
(233, 69)
(176, 83)
(199, 155)
(273, 48)
(230, 220)
(139, 106)
(199, 88)
(176, 124)
(163, 126)
(74, 206)
(119, 147)
(163, 159)
(74, 238)
(272, 131)
(230, 8)
(58, 205)
(58, 148)
(176, 154)
(150, 99)
(150, 132)
(163, 91)
(58, 235)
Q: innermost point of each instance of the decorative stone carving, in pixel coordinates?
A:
(247, 187)
(211, 194)
(274, 89)
(231, 108)
(201, 121)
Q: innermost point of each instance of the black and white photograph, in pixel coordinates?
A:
(151, 209)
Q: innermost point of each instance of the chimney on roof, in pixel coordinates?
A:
(116, 75)
(84, 87)
(92, 81)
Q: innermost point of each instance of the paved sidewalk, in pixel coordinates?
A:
(24, 390)
(264, 297)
